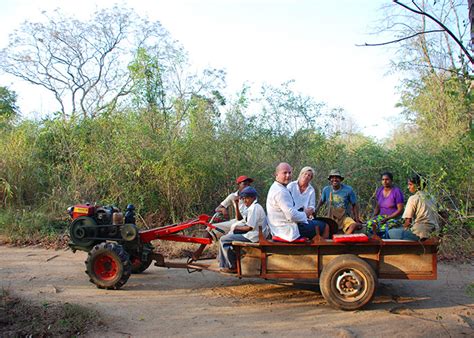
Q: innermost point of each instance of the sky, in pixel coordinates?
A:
(312, 42)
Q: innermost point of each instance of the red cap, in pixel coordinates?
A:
(240, 179)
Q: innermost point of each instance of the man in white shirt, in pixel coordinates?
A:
(285, 221)
(245, 230)
(239, 207)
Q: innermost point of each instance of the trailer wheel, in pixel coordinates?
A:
(108, 266)
(138, 265)
(348, 282)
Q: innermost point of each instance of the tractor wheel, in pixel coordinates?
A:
(108, 266)
(81, 231)
(138, 266)
(348, 282)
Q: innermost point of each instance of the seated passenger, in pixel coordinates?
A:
(302, 191)
(245, 230)
(284, 219)
(421, 218)
(239, 208)
(388, 207)
(341, 200)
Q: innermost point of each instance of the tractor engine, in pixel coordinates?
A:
(94, 224)
(94, 228)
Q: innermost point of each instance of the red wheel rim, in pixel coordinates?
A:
(105, 267)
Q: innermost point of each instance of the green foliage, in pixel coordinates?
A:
(438, 101)
(8, 106)
(30, 226)
(470, 290)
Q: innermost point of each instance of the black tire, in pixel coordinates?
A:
(81, 230)
(348, 282)
(138, 265)
(108, 266)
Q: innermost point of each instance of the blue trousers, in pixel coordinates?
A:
(401, 233)
(227, 257)
(308, 230)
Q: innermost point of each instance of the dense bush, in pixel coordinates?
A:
(118, 159)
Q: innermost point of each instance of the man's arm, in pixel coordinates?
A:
(238, 215)
(355, 212)
(355, 206)
(242, 228)
(409, 212)
(285, 203)
(225, 204)
(222, 210)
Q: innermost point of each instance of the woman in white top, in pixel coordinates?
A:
(303, 193)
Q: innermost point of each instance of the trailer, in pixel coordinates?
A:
(347, 267)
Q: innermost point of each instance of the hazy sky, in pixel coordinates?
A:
(259, 41)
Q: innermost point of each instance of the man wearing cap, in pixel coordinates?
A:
(286, 222)
(245, 230)
(239, 207)
(341, 200)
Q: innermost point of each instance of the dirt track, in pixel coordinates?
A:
(171, 302)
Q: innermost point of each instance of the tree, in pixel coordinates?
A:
(164, 89)
(435, 102)
(431, 39)
(8, 107)
(471, 20)
(82, 63)
(451, 5)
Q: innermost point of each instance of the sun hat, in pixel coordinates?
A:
(335, 172)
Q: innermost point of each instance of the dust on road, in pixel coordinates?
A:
(171, 302)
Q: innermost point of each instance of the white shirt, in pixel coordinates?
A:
(306, 199)
(283, 216)
(229, 201)
(255, 218)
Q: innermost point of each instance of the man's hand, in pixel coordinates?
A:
(407, 223)
(223, 211)
(309, 212)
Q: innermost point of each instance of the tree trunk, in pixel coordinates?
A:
(471, 20)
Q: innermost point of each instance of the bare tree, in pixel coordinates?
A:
(430, 29)
(82, 63)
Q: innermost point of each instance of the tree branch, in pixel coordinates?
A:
(401, 39)
(421, 12)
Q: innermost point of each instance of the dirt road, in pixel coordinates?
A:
(172, 302)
